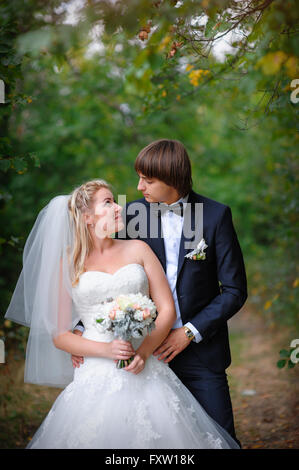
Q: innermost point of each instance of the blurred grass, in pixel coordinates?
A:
(238, 345)
(22, 406)
(269, 417)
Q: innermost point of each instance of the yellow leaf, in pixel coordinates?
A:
(164, 43)
(267, 304)
(292, 67)
(195, 76)
(271, 63)
(296, 282)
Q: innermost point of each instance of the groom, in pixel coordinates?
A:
(207, 292)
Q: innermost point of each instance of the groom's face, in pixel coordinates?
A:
(155, 190)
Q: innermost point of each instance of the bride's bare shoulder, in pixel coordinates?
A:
(135, 245)
(135, 250)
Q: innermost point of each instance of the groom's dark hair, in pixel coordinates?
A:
(168, 161)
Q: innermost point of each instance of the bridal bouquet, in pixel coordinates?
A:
(128, 316)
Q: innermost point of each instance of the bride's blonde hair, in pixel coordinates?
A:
(80, 203)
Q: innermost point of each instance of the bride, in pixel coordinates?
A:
(71, 265)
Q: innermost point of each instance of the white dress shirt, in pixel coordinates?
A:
(172, 226)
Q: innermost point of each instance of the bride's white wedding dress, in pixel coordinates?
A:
(109, 408)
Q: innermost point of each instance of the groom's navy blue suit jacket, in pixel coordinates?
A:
(209, 291)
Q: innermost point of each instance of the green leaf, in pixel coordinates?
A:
(19, 164)
(280, 364)
(5, 196)
(291, 364)
(4, 49)
(224, 26)
(34, 41)
(35, 160)
(209, 31)
(4, 165)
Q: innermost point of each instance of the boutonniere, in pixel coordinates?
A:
(198, 253)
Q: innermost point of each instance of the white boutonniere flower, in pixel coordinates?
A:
(198, 253)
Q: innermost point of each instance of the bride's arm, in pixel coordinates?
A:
(79, 346)
(162, 297)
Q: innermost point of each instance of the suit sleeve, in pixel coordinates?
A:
(231, 273)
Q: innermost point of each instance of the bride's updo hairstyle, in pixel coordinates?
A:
(80, 202)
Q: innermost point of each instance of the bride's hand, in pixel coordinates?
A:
(137, 365)
(119, 349)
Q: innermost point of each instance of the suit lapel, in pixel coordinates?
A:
(156, 242)
(187, 234)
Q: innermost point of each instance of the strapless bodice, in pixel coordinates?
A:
(95, 287)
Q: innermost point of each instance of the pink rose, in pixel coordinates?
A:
(146, 313)
(112, 314)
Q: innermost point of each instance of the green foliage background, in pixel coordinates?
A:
(70, 116)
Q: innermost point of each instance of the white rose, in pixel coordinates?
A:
(120, 314)
(138, 315)
(202, 245)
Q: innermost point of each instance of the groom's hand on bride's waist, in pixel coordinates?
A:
(175, 342)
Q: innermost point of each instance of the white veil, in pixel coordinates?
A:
(42, 299)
